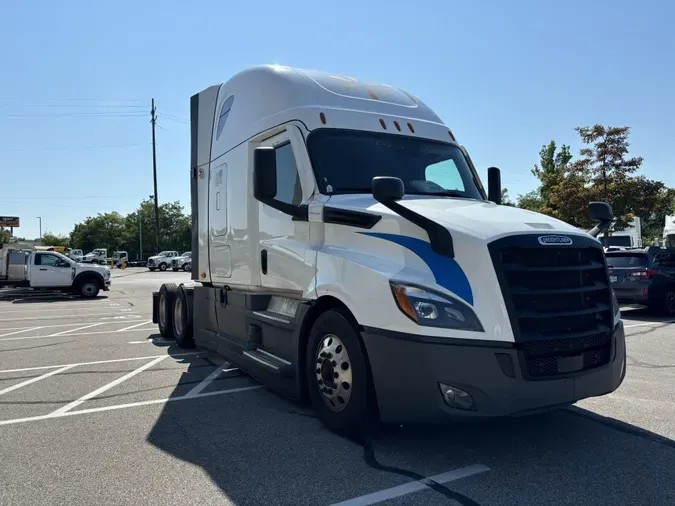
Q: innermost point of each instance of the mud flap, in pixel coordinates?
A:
(155, 307)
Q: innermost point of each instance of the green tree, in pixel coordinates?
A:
(549, 172)
(506, 201)
(101, 231)
(49, 239)
(4, 236)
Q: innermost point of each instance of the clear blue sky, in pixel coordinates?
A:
(507, 77)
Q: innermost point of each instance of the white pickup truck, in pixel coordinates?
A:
(162, 261)
(49, 270)
(97, 256)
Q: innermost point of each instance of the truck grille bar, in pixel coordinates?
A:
(559, 304)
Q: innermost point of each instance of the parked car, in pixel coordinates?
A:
(162, 261)
(644, 277)
(183, 262)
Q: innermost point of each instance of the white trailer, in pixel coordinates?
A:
(669, 232)
(346, 252)
(50, 270)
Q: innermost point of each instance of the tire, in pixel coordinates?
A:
(669, 302)
(88, 288)
(350, 408)
(187, 267)
(182, 319)
(167, 294)
(162, 266)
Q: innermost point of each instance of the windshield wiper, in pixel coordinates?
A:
(445, 193)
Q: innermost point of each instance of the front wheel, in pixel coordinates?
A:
(337, 375)
(162, 267)
(88, 288)
(187, 267)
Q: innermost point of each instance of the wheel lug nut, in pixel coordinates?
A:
(333, 363)
(335, 375)
(322, 354)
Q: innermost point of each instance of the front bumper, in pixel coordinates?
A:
(107, 286)
(407, 371)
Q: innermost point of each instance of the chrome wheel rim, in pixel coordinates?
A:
(333, 370)
(178, 316)
(162, 310)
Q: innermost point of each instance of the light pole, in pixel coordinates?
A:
(140, 236)
(40, 218)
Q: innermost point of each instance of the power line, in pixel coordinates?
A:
(75, 197)
(73, 99)
(67, 148)
(101, 114)
(126, 106)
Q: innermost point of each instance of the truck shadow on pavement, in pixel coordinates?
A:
(41, 298)
(259, 448)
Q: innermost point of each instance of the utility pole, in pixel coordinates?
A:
(140, 236)
(154, 173)
(40, 218)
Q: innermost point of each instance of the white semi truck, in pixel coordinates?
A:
(346, 252)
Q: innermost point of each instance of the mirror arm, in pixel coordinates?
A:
(599, 228)
(439, 236)
(299, 213)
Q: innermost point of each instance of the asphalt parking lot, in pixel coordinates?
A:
(96, 408)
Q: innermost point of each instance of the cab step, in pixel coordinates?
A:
(269, 361)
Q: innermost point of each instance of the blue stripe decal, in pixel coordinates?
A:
(446, 271)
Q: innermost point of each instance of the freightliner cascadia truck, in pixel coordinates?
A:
(345, 252)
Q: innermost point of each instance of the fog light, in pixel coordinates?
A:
(456, 398)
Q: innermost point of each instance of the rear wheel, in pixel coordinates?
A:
(669, 302)
(182, 319)
(167, 294)
(337, 375)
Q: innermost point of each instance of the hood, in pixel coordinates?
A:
(484, 220)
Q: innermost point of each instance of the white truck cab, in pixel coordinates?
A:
(162, 261)
(183, 262)
(76, 254)
(97, 256)
(51, 271)
(347, 252)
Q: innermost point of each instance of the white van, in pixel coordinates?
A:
(346, 252)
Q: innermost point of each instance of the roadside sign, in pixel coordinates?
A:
(9, 221)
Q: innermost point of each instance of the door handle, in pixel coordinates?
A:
(43, 269)
(263, 261)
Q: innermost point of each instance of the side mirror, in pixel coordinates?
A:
(388, 189)
(264, 174)
(495, 185)
(601, 212)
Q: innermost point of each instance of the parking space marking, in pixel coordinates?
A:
(414, 486)
(207, 381)
(33, 380)
(98, 332)
(51, 305)
(20, 331)
(647, 324)
(63, 317)
(134, 326)
(96, 362)
(129, 405)
(108, 386)
(77, 329)
(155, 340)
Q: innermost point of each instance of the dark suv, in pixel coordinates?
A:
(645, 277)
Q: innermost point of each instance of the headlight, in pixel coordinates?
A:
(431, 309)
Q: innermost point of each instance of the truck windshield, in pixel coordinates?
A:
(346, 161)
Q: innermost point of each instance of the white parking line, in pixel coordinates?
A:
(98, 332)
(413, 486)
(60, 309)
(20, 331)
(77, 329)
(33, 380)
(110, 385)
(96, 362)
(125, 406)
(63, 317)
(134, 326)
(647, 324)
(207, 381)
(156, 340)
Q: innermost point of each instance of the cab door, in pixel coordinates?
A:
(51, 271)
(283, 240)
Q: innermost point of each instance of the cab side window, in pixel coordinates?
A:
(48, 260)
(288, 179)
